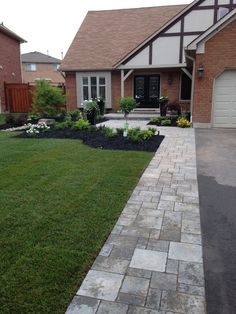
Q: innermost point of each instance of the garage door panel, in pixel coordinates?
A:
(224, 106)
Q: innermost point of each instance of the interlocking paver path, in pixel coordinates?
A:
(152, 260)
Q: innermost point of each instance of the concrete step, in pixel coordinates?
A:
(132, 116)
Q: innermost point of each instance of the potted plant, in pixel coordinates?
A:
(163, 100)
(127, 104)
(91, 109)
(101, 105)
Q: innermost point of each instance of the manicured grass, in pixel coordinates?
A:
(58, 202)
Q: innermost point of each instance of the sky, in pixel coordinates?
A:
(49, 26)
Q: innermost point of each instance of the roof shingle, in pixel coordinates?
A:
(38, 57)
(105, 37)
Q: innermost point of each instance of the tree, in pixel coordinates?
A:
(47, 99)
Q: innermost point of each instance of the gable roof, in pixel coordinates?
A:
(11, 34)
(38, 57)
(214, 29)
(105, 37)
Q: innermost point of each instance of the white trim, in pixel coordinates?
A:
(157, 32)
(122, 82)
(161, 66)
(187, 73)
(210, 32)
(128, 74)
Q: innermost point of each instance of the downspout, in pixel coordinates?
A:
(192, 85)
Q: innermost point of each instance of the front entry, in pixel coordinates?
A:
(147, 90)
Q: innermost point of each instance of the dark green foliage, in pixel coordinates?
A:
(127, 104)
(119, 130)
(109, 132)
(81, 124)
(166, 122)
(16, 119)
(47, 99)
(138, 135)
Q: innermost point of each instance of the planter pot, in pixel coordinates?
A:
(101, 106)
(162, 109)
(91, 115)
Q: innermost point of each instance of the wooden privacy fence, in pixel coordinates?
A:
(18, 97)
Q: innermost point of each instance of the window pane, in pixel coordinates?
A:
(102, 81)
(102, 92)
(93, 92)
(85, 80)
(85, 93)
(93, 80)
(186, 84)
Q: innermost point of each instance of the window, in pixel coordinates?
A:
(30, 67)
(93, 87)
(186, 86)
(222, 12)
(90, 85)
(55, 67)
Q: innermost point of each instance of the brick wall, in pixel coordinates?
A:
(71, 98)
(219, 54)
(43, 70)
(10, 66)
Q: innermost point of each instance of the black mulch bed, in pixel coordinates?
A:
(7, 126)
(96, 139)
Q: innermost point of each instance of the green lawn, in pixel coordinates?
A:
(58, 202)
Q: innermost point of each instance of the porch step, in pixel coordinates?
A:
(146, 111)
(132, 116)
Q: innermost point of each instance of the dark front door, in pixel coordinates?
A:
(147, 90)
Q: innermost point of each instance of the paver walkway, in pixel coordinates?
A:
(152, 261)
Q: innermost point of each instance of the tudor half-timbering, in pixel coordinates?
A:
(141, 53)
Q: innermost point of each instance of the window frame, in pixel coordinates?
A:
(88, 75)
(28, 67)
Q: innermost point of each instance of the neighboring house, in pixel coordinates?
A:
(10, 65)
(36, 66)
(184, 52)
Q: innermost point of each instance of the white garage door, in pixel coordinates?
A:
(224, 107)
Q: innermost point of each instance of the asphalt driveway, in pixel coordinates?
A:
(216, 164)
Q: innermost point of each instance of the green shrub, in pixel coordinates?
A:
(61, 125)
(166, 122)
(183, 123)
(155, 120)
(108, 132)
(92, 128)
(81, 124)
(137, 135)
(16, 119)
(153, 130)
(74, 114)
(127, 104)
(119, 130)
(47, 99)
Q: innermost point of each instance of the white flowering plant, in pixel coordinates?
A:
(34, 129)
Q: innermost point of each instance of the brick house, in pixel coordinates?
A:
(151, 52)
(10, 64)
(36, 66)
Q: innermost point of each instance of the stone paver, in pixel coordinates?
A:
(152, 261)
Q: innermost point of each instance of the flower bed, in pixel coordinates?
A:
(97, 138)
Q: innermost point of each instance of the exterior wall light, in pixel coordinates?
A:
(200, 71)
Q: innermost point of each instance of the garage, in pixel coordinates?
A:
(224, 100)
